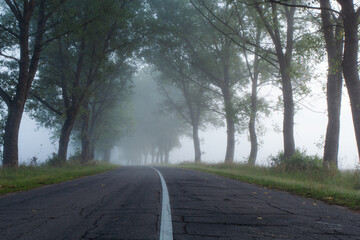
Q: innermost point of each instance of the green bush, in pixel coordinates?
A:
(300, 161)
(76, 157)
(53, 161)
(356, 177)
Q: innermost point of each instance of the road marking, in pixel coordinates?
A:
(166, 232)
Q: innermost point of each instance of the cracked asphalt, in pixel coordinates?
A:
(125, 204)
(120, 204)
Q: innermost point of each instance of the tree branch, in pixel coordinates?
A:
(14, 9)
(9, 31)
(10, 57)
(284, 3)
(45, 103)
(5, 97)
(270, 61)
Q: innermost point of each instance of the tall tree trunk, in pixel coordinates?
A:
(331, 148)
(85, 136)
(107, 154)
(230, 126)
(288, 122)
(161, 157)
(92, 137)
(166, 156)
(152, 155)
(332, 29)
(145, 158)
(157, 160)
(65, 135)
(92, 150)
(254, 101)
(10, 155)
(284, 57)
(252, 127)
(349, 64)
(196, 141)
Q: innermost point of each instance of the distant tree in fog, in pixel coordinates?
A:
(156, 132)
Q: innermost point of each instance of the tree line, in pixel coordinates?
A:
(71, 65)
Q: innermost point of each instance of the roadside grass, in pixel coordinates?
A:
(337, 187)
(28, 177)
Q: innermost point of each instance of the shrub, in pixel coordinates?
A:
(356, 177)
(53, 161)
(300, 161)
(76, 157)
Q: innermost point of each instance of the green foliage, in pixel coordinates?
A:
(300, 161)
(53, 161)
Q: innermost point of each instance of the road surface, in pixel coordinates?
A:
(126, 203)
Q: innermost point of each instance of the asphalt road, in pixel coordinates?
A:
(126, 204)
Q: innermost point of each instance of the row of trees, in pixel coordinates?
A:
(76, 58)
(156, 129)
(71, 62)
(225, 50)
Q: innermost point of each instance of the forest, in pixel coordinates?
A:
(137, 75)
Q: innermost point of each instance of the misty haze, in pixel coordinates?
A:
(179, 119)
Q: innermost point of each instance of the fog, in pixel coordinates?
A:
(175, 82)
(35, 141)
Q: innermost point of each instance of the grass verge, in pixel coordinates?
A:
(339, 189)
(28, 177)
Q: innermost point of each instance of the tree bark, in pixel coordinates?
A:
(288, 122)
(230, 126)
(196, 141)
(145, 158)
(107, 155)
(152, 155)
(166, 156)
(334, 47)
(284, 59)
(27, 71)
(254, 101)
(252, 127)
(65, 134)
(85, 136)
(10, 157)
(349, 63)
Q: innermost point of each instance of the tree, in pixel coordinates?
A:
(193, 101)
(333, 34)
(350, 17)
(28, 36)
(103, 116)
(155, 131)
(217, 57)
(192, 104)
(79, 62)
(269, 15)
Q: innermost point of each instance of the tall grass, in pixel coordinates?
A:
(301, 174)
(27, 177)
